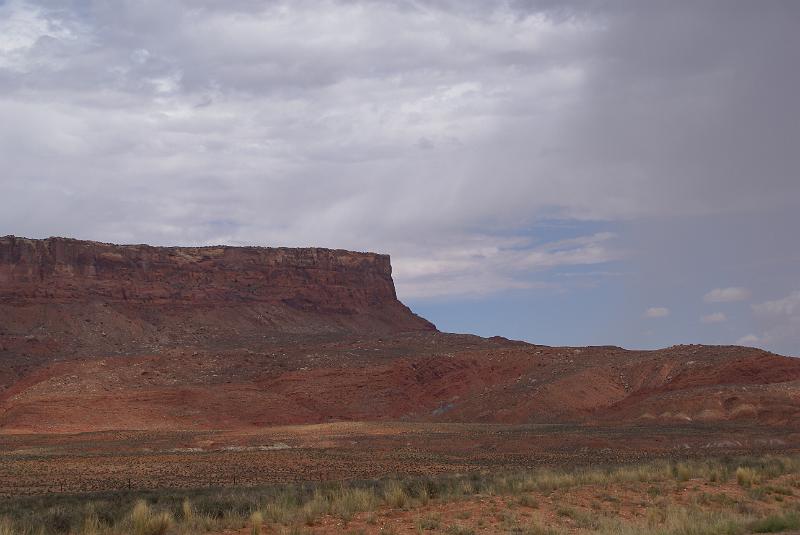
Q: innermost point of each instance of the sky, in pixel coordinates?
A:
(567, 173)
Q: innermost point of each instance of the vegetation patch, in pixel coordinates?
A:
(729, 496)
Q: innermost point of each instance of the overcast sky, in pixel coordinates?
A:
(565, 173)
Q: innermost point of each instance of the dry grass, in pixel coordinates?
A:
(349, 501)
(295, 508)
(256, 520)
(6, 526)
(187, 511)
(395, 495)
(680, 521)
(776, 523)
(747, 477)
(144, 521)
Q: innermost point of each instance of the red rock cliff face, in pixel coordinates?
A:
(69, 286)
(64, 269)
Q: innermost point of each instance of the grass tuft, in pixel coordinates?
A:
(395, 495)
(747, 477)
(146, 522)
(776, 523)
(256, 519)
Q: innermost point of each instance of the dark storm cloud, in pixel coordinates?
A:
(442, 132)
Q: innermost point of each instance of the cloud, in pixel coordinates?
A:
(727, 295)
(306, 122)
(785, 307)
(715, 317)
(748, 340)
(779, 320)
(448, 134)
(481, 265)
(656, 312)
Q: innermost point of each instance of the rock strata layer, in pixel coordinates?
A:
(134, 293)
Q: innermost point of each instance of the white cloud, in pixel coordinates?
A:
(27, 34)
(727, 295)
(788, 306)
(433, 131)
(779, 320)
(716, 317)
(479, 265)
(656, 312)
(748, 340)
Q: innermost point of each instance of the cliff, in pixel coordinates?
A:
(92, 295)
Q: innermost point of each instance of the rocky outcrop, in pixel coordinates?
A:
(321, 279)
(101, 296)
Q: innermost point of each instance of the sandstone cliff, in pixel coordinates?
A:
(79, 296)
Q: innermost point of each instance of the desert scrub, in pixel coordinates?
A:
(294, 530)
(349, 501)
(91, 525)
(291, 506)
(539, 529)
(776, 523)
(143, 521)
(682, 472)
(456, 529)
(421, 495)
(678, 521)
(526, 500)
(187, 511)
(747, 477)
(429, 522)
(279, 511)
(256, 519)
(395, 495)
(313, 509)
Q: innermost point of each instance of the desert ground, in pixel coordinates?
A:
(176, 391)
(703, 496)
(113, 461)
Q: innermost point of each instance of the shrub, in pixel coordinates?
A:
(278, 512)
(395, 495)
(459, 530)
(349, 501)
(430, 522)
(145, 522)
(776, 523)
(187, 511)
(747, 477)
(314, 508)
(683, 472)
(256, 519)
(91, 525)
